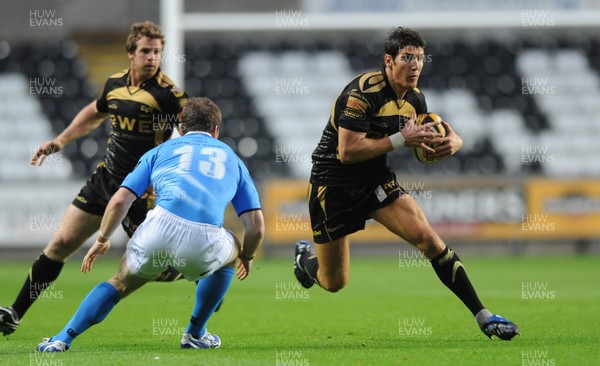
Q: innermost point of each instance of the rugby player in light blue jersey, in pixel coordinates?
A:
(195, 177)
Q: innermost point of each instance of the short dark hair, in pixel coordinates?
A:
(400, 37)
(200, 114)
(140, 30)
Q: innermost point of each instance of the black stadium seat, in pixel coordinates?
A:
(485, 68)
(57, 60)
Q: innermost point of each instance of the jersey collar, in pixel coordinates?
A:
(144, 83)
(198, 133)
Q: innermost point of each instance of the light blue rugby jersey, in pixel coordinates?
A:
(195, 177)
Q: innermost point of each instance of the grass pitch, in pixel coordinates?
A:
(393, 312)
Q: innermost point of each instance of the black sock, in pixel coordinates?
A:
(451, 272)
(43, 271)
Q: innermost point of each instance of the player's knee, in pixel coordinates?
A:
(58, 249)
(334, 284)
(335, 287)
(428, 242)
(421, 239)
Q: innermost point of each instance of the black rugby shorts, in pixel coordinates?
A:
(337, 211)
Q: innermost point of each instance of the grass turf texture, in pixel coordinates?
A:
(393, 312)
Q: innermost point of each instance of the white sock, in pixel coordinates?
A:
(482, 316)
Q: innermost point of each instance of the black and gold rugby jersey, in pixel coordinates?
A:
(367, 104)
(141, 118)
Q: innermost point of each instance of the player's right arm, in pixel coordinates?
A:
(254, 231)
(86, 121)
(355, 146)
(247, 205)
(354, 110)
(116, 210)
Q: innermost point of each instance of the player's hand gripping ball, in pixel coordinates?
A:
(422, 155)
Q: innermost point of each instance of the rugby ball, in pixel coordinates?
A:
(422, 155)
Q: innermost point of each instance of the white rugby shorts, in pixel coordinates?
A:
(195, 249)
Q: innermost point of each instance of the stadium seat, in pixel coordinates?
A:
(471, 83)
(38, 118)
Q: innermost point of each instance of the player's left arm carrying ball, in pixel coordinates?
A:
(86, 121)
(449, 144)
(115, 213)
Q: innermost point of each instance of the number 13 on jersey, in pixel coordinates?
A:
(211, 164)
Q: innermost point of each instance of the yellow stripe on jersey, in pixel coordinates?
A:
(119, 74)
(332, 115)
(164, 81)
(372, 82)
(391, 109)
(134, 94)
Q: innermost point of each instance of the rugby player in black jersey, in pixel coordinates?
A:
(350, 181)
(142, 104)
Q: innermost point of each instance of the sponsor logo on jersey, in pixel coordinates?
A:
(146, 109)
(353, 113)
(357, 104)
(178, 93)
